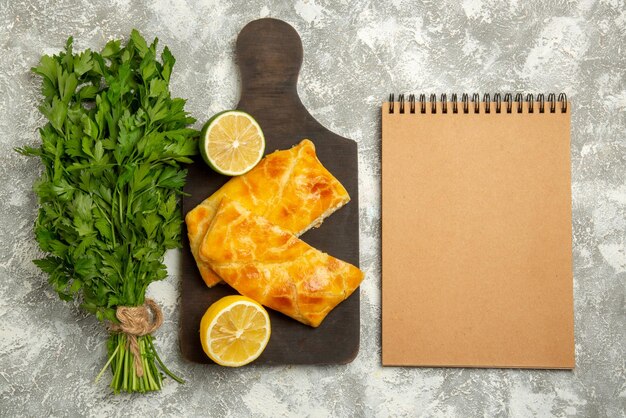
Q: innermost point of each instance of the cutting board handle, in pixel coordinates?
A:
(269, 55)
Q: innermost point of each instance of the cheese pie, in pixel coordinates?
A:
(271, 265)
(290, 188)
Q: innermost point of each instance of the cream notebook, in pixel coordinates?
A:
(477, 232)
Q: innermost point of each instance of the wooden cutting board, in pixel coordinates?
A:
(269, 55)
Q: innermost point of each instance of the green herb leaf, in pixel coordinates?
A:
(83, 63)
(55, 112)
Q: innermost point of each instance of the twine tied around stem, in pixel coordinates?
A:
(135, 321)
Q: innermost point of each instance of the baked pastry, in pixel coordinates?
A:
(290, 188)
(272, 266)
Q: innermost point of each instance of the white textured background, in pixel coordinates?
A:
(356, 52)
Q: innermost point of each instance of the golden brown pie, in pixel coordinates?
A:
(290, 188)
(272, 266)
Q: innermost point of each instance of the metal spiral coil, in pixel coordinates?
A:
(511, 105)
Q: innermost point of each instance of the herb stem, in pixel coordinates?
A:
(111, 357)
(161, 365)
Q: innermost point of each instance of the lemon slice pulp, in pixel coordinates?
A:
(232, 143)
(234, 331)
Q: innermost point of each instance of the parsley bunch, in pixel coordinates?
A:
(112, 151)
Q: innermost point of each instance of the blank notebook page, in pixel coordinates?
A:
(476, 238)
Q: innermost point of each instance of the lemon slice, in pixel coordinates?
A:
(232, 143)
(234, 331)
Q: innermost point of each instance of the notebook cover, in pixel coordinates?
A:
(476, 239)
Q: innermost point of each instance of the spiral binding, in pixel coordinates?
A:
(420, 105)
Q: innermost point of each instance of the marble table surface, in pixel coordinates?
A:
(356, 53)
